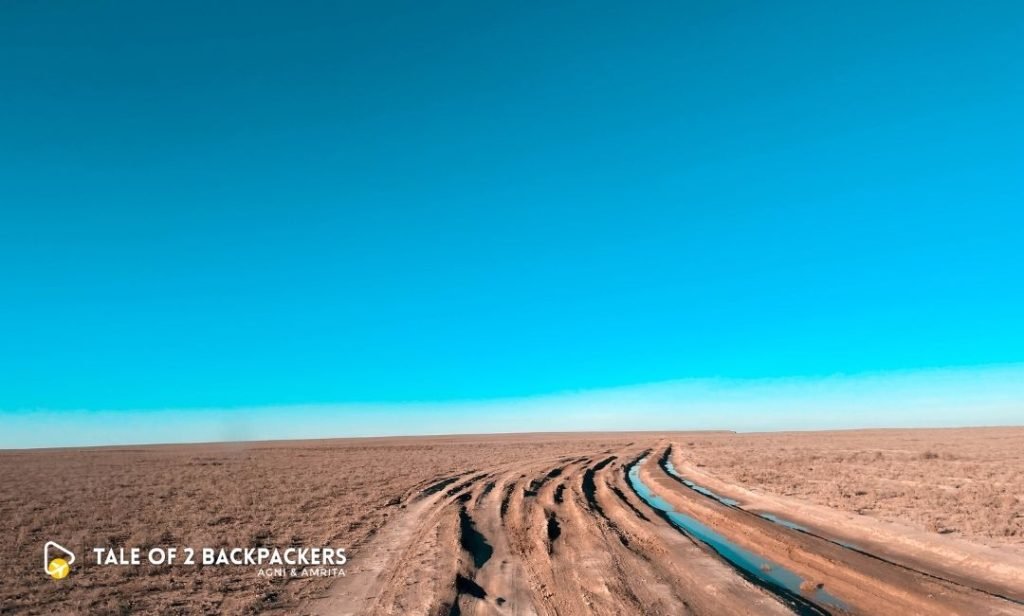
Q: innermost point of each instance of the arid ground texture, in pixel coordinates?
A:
(853, 522)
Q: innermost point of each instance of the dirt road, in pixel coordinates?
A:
(621, 532)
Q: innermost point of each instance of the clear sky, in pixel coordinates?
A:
(272, 205)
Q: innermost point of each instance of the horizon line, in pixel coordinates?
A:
(935, 397)
(457, 435)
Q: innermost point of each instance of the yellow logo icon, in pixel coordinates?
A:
(60, 566)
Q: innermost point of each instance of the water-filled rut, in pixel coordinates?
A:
(779, 520)
(771, 576)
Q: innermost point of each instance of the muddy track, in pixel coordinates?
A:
(619, 532)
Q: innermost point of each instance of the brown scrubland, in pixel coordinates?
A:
(965, 482)
(888, 521)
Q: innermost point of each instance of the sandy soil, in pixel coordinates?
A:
(531, 524)
(303, 493)
(964, 482)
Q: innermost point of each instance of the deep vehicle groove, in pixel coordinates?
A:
(590, 488)
(663, 463)
(554, 530)
(475, 544)
(440, 485)
(473, 540)
(625, 501)
(794, 601)
(468, 587)
(465, 586)
(462, 486)
(487, 489)
(537, 484)
(506, 499)
(590, 491)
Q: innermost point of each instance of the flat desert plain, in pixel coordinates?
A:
(853, 522)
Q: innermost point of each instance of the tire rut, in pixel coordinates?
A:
(570, 536)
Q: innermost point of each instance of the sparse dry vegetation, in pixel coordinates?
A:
(965, 482)
(311, 493)
(342, 492)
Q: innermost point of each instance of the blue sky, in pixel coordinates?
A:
(980, 396)
(270, 206)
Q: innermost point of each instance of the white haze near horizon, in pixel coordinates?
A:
(980, 396)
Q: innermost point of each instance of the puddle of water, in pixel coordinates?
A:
(769, 574)
(729, 502)
(670, 468)
(771, 517)
(706, 492)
